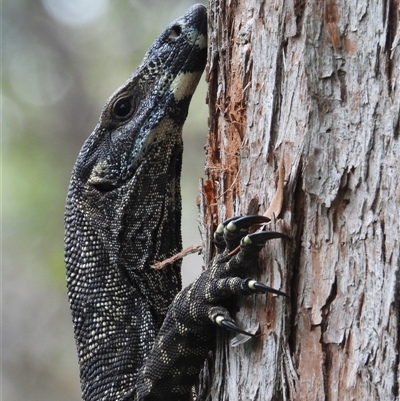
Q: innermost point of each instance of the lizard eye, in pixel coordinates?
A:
(123, 108)
(104, 187)
(175, 32)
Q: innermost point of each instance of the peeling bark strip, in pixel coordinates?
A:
(321, 83)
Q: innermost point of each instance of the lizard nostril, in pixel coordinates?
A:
(175, 32)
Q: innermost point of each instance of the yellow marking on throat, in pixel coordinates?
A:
(185, 84)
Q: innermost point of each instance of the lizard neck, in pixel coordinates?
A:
(118, 301)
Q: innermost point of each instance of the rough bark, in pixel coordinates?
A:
(318, 84)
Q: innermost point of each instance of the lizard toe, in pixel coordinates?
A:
(231, 325)
(246, 222)
(229, 233)
(260, 288)
(221, 317)
(259, 239)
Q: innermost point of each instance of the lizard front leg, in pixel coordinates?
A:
(200, 309)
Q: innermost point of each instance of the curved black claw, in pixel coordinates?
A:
(245, 222)
(260, 287)
(261, 237)
(231, 325)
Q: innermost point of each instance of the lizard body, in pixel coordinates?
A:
(124, 209)
(137, 336)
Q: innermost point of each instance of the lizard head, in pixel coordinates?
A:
(142, 121)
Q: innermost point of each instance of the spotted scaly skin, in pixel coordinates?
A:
(138, 339)
(123, 213)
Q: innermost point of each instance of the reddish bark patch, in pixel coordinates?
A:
(331, 17)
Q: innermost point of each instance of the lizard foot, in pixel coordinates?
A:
(237, 251)
(189, 329)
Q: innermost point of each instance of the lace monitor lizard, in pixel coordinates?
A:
(138, 336)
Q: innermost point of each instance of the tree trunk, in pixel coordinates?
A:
(315, 85)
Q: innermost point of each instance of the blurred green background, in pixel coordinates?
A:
(61, 59)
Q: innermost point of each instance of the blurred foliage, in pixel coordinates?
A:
(61, 60)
